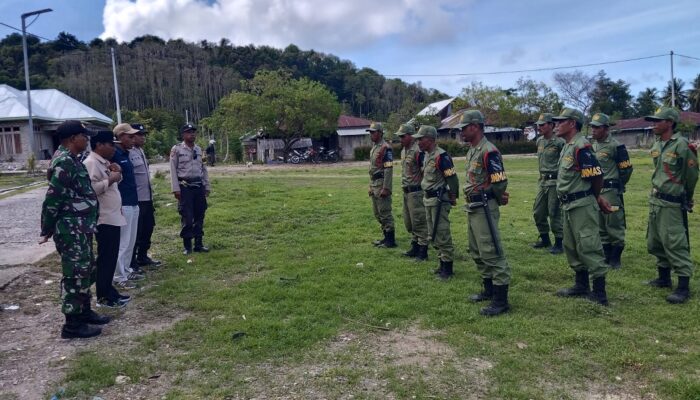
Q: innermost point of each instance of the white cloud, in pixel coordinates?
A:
(319, 24)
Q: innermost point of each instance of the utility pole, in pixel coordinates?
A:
(673, 84)
(116, 89)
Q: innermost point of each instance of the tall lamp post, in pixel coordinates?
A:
(26, 73)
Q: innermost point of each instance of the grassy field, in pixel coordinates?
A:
(295, 302)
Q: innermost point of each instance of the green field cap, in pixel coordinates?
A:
(570, 113)
(375, 126)
(600, 119)
(544, 118)
(664, 113)
(470, 117)
(427, 131)
(406, 129)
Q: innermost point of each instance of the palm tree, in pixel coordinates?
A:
(647, 102)
(680, 94)
(694, 95)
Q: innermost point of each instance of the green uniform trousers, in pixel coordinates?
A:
(443, 236)
(78, 271)
(547, 206)
(382, 211)
(667, 241)
(582, 239)
(612, 226)
(414, 217)
(481, 246)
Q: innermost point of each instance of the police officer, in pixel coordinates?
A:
(617, 170)
(69, 215)
(546, 202)
(484, 191)
(440, 191)
(381, 162)
(673, 184)
(190, 185)
(579, 183)
(413, 209)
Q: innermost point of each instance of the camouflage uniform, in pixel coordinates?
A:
(546, 202)
(381, 163)
(413, 208)
(69, 214)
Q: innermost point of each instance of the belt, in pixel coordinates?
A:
(569, 197)
(668, 197)
(411, 189)
(612, 183)
(434, 193)
(475, 198)
(548, 176)
(378, 175)
(190, 182)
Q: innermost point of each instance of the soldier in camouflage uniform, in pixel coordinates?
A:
(484, 191)
(579, 183)
(440, 191)
(617, 170)
(413, 209)
(381, 163)
(69, 215)
(546, 202)
(673, 184)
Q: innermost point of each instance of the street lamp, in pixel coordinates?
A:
(26, 73)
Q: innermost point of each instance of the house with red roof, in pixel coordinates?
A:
(351, 134)
(636, 132)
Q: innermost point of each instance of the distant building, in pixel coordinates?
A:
(637, 132)
(508, 134)
(50, 107)
(351, 134)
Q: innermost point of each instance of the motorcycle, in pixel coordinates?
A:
(326, 155)
(296, 157)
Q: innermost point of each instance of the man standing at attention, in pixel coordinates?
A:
(440, 191)
(579, 182)
(546, 202)
(617, 170)
(381, 163)
(484, 192)
(190, 186)
(673, 184)
(413, 209)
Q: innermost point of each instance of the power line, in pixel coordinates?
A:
(681, 55)
(528, 70)
(30, 34)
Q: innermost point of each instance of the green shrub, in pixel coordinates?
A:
(362, 153)
(519, 147)
(453, 147)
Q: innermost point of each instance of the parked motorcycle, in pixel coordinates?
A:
(296, 157)
(325, 155)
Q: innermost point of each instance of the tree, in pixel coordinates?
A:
(535, 98)
(576, 88)
(694, 95)
(647, 102)
(500, 106)
(611, 97)
(680, 94)
(278, 106)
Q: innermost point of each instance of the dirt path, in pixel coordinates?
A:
(20, 218)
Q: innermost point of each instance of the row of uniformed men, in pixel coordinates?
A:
(583, 187)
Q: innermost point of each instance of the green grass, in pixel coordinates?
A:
(283, 269)
(8, 181)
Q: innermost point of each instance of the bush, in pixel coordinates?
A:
(519, 147)
(362, 153)
(453, 147)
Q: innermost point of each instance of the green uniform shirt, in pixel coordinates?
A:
(381, 163)
(485, 170)
(577, 165)
(548, 157)
(438, 172)
(614, 160)
(411, 159)
(675, 169)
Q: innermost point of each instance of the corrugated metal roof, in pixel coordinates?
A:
(352, 132)
(435, 108)
(348, 121)
(47, 104)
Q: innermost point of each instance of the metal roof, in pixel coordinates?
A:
(47, 104)
(352, 132)
(435, 108)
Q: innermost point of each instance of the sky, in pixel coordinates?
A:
(465, 40)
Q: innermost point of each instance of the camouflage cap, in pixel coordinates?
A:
(470, 117)
(426, 131)
(665, 113)
(600, 119)
(406, 129)
(375, 126)
(545, 118)
(570, 113)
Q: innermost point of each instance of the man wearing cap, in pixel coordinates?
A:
(617, 170)
(144, 192)
(190, 185)
(211, 152)
(130, 207)
(69, 215)
(579, 183)
(413, 209)
(484, 192)
(546, 202)
(440, 191)
(381, 163)
(673, 184)
(104, 177)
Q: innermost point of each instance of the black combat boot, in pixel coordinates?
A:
(90, 317)
(664, 279)
(499, 304)
(446, 272)
(74, 328)
(606, 250)
(389, 240)
(438, 270)
(187, 243)
(557, 248)
(615, 260)
(543, 242)
(413, 251)
(580, 288)
(598, 295)
(381, 241)
(486, 294)
(682, 292)
(422, 253)
(199, 247)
